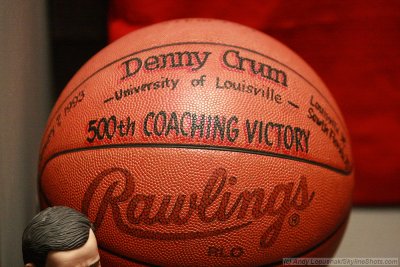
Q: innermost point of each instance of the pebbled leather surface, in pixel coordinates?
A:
(199, 142)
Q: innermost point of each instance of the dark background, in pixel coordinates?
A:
(78, 30)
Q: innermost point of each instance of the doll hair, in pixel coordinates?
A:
(56, 228)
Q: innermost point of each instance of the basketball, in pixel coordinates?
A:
(198, 142)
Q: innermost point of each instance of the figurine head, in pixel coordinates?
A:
(60, 237)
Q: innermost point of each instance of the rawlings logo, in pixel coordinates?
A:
(214, 205)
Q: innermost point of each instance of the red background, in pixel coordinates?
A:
(352, 45)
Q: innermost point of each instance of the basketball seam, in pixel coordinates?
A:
(269, 264)
(343, 172)
(187, 43)
(125, 257)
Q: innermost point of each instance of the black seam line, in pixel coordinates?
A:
(42, 194)
(187, 43)
(118, 255)
(338, 227)
(233, 228)
(202, 147)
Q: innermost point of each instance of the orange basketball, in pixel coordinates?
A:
(200, 142)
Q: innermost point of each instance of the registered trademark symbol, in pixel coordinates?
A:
(294, 219)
